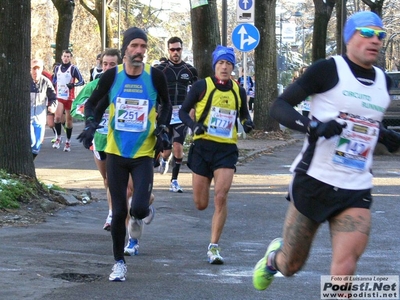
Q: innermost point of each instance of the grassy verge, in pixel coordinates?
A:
(16, 189)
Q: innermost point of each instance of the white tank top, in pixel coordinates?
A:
(62, 79)
(345, 161)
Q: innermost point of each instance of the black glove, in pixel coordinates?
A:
(248, 126)
(390, 138)
(327, 130)
(199, 128)
(70, 85)
(162, 133)
(86, 136)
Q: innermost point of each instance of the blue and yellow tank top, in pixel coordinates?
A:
(132, 115)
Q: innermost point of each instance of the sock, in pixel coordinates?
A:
(58, 129)
(211, 245)
(271, 265)
(69, 133)
(176, 168)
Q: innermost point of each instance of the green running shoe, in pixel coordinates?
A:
(262, 276)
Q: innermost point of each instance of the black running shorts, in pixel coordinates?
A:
(207, 156)
(319, 201)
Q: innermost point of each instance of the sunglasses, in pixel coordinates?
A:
(369, 33)
(175, 49)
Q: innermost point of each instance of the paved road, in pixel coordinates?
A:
(42, 261)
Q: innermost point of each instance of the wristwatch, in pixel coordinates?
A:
(312, 126)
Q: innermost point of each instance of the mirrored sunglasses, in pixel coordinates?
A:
(369, 33)
(175, 49)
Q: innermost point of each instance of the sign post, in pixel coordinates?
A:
(245, 11)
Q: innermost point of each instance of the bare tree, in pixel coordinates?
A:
(206, 36)
(15, 49)
(266, 66)
(65, 9)
(97, 13)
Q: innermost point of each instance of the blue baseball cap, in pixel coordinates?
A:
(360, 19)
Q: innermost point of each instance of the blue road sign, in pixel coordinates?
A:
(245, 37)
(245, 4)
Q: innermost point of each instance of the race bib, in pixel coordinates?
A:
(175, 115)
(356, 142)
(131, 114)
(62, 91)
(221, 122)
(104, 123)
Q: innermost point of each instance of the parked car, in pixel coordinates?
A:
(392, 115)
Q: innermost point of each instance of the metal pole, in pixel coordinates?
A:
(224, 22)
(341, 28)
(280, 50)
(245, 70)
(302, 50)
(119, 24)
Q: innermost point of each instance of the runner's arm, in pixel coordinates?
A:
(165, 107)
(244, 111)
(51, 95)
(318, 78)
(192, 97)
(78, 76)
(101, 90)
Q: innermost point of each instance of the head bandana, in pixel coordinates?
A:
(360, 19)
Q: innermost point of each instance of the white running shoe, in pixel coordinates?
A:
(214, 257)
(175, 187)
(150, 217)
(135, 228)
(107, 224)
(132, 248)
(163, 167)
(118, 271)
(67, 147)
(57, 144)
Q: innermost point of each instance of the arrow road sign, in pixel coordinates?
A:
(245, 11)
(245, 37)
(245, 4)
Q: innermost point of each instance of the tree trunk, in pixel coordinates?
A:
(206, 36)
(323, 12)
(15, 48)
(341, 16)
(377, 7)
(97, 13)
(266, 72)
(65, 11)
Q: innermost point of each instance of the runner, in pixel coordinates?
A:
(64, 79)
(180, 77)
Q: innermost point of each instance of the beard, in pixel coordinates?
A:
(175, 59)
(133, 62)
